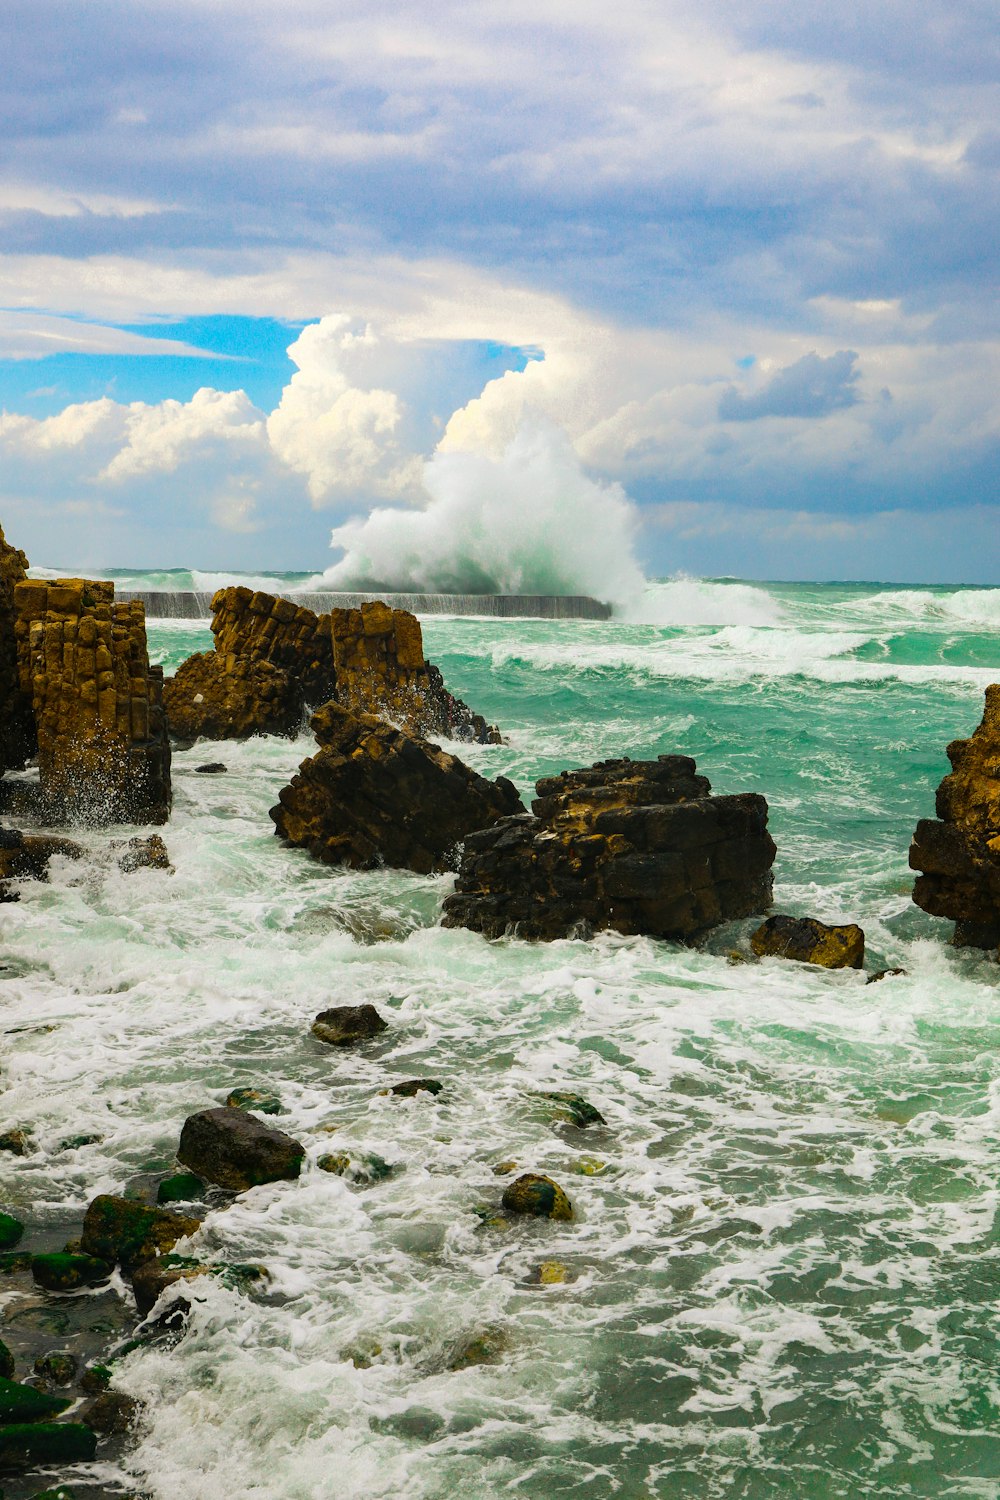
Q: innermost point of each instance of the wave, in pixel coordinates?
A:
(683, 601)
(976, 608)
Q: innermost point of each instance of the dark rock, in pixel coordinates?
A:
(62, 1493)
(573, 1109)
(148, 853)
(75, 1142)
(29, 858)
(11, 1230)
(213, 697)
(154, 1277)
(6, 1362)
(62, 1272)
(376, 795)
(346, 1025)
(94, 1379)
(958, 853)
(14, 1261)
(213, 768)
(181, 1187)
(111, 1412)
(23, 1403)
(125, 1232)
(537, 1195)
(634, 846)
(808, 941)
(233, 1149)
(364, 1169)
(261, 1101)
(883, 974)
(58, 1367)
(24, 1444)
(413, 1086)
(16, 1142)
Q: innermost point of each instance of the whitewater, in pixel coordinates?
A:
(782, 1275)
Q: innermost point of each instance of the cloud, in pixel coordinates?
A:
(813, 386)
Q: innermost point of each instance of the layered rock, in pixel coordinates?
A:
(379, 658)
(376, 795)
(217, 697)
(253, 626)
(635, 846)
(17, 725)
(83, 663)
(958, 852)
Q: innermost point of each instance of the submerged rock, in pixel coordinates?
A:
(233, 1149)
(11, 1230)
(261, 1101)
(377, 795)
(149, 853)
(127, 1233)
(634, 846)
(112, 1412)
(572, 1109)
(16, 1142)
(808, 941)
(535, 1194)
(59, 1367)
(363, 1168)
(64, 1272)
(958, 853)
(346, 1025)
(180, 1187)
(413, 1086)
(25, 1443)
(24, 1403)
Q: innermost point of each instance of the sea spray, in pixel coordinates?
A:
(528, 522)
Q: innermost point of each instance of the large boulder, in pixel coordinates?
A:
(231, 698)
(809, 941)
(376, 795)
(634, 846)
(958, 852)
(233, 1149)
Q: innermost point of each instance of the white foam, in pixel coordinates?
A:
(700, 601)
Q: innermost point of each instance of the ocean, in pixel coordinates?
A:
(782, 1275)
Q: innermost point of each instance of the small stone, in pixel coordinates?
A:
(111, 1412)
(573, 1109)
(212, 767)
(23, 1403)
(94, 1379)
(361, 1169)
(504, 1168)
(413, 1086)
(537, 1195)
(68, 1273)
(345, 1025)
(15, 1141)
(232, 1148)
(550, 1273)
(59, 1367)
(181, 1187)
(808, 941)
(883, 974)
(74, 1142)
(24, 1443)
(588, 1166)
(261, 1101)
(11, 1230)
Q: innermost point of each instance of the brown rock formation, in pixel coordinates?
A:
(17, 726)
(217, 697)
(808, 941)
(958, 853)
(97, 703)
(379, 658)
(635, 846)
(252, 626)
(378, 795)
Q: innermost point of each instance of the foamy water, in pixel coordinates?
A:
(779, 1273)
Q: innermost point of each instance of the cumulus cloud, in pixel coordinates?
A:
(813, 386)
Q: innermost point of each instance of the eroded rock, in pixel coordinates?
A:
(809, 941)
(346, 1025)
(374, 794)
(126, 1233)
(235, 1150)
(216, 697)
(958, 853)
(635, 846)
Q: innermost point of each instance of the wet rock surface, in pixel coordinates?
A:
(347, 1025)
(125, 1232)
(374, 794)
(216, 697)
(537, 1196)
(958, 852)
(634, 846)
(233, 1149)
(808, 941)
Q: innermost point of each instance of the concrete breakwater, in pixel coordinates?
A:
(189, 604)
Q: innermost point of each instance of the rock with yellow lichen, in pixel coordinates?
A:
(375, 794)
(631, 846)
(809, 941)
(958, 852)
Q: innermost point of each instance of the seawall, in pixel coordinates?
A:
(197, 605)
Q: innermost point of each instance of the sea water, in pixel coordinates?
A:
(782, 1275)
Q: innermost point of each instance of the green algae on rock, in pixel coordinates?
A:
(26, 1443)
(362, 1168)
(127, 1232)
(181, 1187)
(24, 1403)
(573, 1109)
(261, 1101)
(64, 1272)
(535, 1194)
(11, 1230)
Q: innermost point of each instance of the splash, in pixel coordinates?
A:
(528, 522)
(684, 601)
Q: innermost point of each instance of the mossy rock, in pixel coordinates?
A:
(59, 1493)
(11, 1230)
(17, 1142)
(6, 1362)
(504, 1168)
(487, 1347)
(26, 1443)
(808, 941)
(181, 1187)
(12, 1261)
(60, 1272)
(94, 1379)
(74, 1142)
(410, 1087)
(537, 1195)
(549, 1273)
(572, 1109)
(363, 1169)
(127, 1232)
(59, 1367)
(23, 1403)
(261, 1101)
(588, 1166)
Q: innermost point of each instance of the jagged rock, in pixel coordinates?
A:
(233, 1149)
(250, 625)
(635, 846)
(375, 795)
(26, 1443)
(59, 1367)
(11, 1230)
(18, 740)
(215, 697)
(63, 1272)
(83, 661)
(533, 1193)
(808, 941)
(346, 1025)
(958, 853)
(127, 1233)
(379, 660)
(881, 974)
(148, 853)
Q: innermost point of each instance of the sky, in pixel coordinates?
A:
(270, 270)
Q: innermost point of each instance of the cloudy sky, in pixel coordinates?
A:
(266, 264)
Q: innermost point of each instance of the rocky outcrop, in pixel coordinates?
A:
(233, 1149)
(347, 1025)
(634, 846)
(17, 725)
(379, 795)
(808, 941)
(125, 1232)
(83, 663)
(253, 626)
(216, 697)
(379, 658)
(958, 852)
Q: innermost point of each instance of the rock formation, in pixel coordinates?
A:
(636, 846)
(958, 852)
(232, 1148)
(215, 697)
(808, 941)
(83, 664)
(17, 725)
(375, 795)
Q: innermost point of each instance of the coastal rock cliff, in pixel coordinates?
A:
(635, 846)
(374, 794)
(17, 725)
(958, 852)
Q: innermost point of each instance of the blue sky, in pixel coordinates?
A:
(742, 259)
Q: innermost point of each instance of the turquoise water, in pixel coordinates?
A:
(783, 1273)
